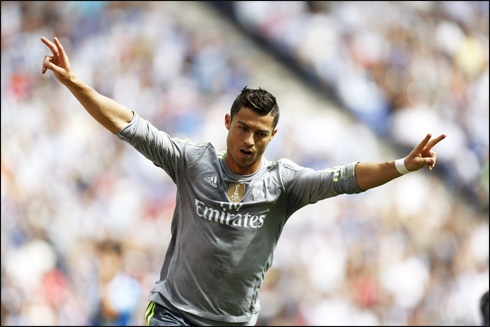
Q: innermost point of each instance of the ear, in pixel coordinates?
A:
(273, 133)
(227, 121)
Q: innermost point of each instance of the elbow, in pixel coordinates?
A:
(119, 124)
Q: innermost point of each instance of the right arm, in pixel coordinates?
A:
(106, 111)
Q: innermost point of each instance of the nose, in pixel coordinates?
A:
(249, 140)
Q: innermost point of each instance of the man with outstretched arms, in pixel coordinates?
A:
(231, 206)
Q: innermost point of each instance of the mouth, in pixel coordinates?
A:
(246, 152)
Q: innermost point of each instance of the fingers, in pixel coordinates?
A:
(423, 155)
(435, 141)
(425, 145)
(50, 45)
(420, 147)
(61, 50)
(431, 161)
(46, 62)
(419, 162)
(58, 62)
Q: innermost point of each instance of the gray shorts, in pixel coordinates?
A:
(157, 315)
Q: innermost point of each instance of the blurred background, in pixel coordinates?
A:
(86, 218)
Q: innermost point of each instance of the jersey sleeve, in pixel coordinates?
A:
(306, 186)
(165, 152)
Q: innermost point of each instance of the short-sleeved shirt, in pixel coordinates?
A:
(226, 226)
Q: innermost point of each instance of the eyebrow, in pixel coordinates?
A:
(260, 130)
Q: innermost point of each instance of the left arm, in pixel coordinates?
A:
(371, 175)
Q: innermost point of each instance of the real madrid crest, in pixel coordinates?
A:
(236, 191)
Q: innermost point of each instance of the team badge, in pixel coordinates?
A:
(235, 192)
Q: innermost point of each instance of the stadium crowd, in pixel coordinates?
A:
(86, 219)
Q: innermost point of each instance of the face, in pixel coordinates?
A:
(248, 136)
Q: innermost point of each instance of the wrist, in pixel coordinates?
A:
(400, 166)
(68, 79)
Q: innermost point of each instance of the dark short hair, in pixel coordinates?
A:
(258, 100)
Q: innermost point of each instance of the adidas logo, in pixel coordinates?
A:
(211, 180)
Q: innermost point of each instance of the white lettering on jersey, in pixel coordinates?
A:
(225, 217)
(211, 180)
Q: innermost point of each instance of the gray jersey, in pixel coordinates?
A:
(226, 226)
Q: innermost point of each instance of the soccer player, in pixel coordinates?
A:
(231, 206)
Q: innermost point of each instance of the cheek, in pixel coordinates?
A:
(232, 139)
(262, 146)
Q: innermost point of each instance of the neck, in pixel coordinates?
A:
(242, 170)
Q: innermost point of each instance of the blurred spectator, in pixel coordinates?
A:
(119, 292)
